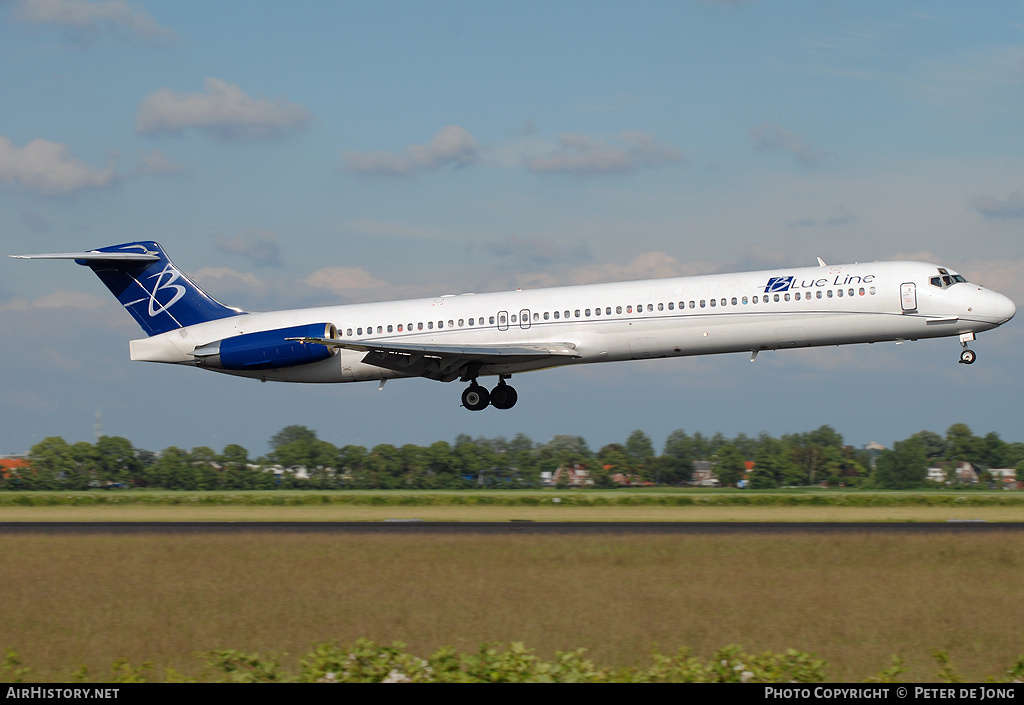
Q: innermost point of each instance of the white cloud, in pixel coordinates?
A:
(772, 138)
(116, 16)
(61, 300)
(223, 275)
(223, 111)
(586, 156)
(45, 167)
(453, 145)
(339, 279)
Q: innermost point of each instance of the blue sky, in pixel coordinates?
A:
(289, 155)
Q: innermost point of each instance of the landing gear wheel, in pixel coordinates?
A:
(504, 396)
(475, 398)
(967, 357)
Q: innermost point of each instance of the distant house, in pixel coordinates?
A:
(574, 475)
(962, 472)
(966, 473)
(704, 475)
(1006, 478)
(9, 466)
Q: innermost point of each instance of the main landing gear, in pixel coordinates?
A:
(967, 357)
(477, 398)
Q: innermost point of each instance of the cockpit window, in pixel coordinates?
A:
(946, 280)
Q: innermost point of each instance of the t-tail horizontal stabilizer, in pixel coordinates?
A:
(156, 293)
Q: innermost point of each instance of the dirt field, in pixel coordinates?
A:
(853, 600)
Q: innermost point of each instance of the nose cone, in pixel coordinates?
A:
(995, 307)
(1005, 309)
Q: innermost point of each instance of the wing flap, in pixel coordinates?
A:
(445, 362)
(500, 351)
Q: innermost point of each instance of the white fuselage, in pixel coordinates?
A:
(854, 303)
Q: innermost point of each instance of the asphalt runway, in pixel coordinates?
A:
(405, 526)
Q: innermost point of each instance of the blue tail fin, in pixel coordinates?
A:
(157, 294)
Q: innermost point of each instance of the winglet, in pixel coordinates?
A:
(821, 262)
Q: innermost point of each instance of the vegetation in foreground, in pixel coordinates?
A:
(300, 460)
(368, 662)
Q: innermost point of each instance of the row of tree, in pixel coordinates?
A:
(299, 459)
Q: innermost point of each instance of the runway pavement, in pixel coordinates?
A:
(406, 526)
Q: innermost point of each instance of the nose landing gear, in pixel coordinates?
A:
(476, 398)
(967, 357)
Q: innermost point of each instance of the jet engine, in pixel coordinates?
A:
(268, 349)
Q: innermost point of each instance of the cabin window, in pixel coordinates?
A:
(693, 304)
(776, 298)
(829, 294)
(872, 291)
(577, 313)
(391, 329)
(348, 332)
(744, 300)
(565, 315)
(430, 325)
(629, 309)
(661, 307)
(650, 307)
(608, 311)
(597, 311)
(491, 320)
(796, 296)
(556, 315)
(618, 309)
(547, 316)
(471, 321)
(734, 301)
(817, 294)
(671, 305)
(703, 303)
(587, 312)
(850, 292)
(536, 316)
(462, 322)
(839, 293)
(713, 303)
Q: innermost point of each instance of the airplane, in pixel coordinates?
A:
(469, 336)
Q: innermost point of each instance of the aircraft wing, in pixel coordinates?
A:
(445, 362)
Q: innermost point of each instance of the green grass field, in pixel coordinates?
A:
(619, 505)
(851, 600)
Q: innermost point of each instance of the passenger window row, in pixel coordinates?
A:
(607, 310)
